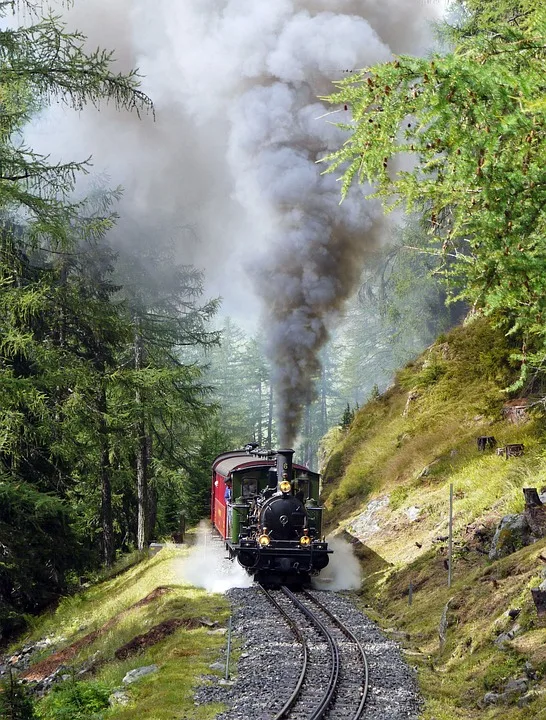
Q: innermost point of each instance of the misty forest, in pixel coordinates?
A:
(240, 236)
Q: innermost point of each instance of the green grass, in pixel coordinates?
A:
(183, 657)
(412, 457)
(455, 680)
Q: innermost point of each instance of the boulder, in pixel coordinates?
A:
(491, 698)
(413, 513)
(511, 689)
(119, 697)
(134, 675)
(512, 534)
(535, 515)
(508, 636)
(528, 698)
(518, 686)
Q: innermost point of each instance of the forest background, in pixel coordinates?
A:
(120, 382)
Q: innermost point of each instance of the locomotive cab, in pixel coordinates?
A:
(273, 524)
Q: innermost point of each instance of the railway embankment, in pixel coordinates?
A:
(287, 675)
(132, 646)
(479, 643)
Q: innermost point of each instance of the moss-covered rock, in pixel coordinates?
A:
(513, 533)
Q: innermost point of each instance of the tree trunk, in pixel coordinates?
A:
(307, 431)
(259, 434)
(152, 496)
(270, 416)
(323, 405)
(141, 450)
(531, 497)
(106, 486)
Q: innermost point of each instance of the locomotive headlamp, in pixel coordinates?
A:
(264, 540)
(285, 486)
(305, 540)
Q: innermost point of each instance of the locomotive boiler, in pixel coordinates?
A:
(266, 509)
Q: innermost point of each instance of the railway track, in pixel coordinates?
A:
(333, 679)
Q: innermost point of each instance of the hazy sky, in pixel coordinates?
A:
(194, 173)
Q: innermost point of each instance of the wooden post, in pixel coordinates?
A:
(450, 546)
(539, 598)
(228, 651)
(531, 497)
(514, 450)
(485, 441)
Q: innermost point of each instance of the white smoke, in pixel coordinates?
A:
(343, 572)
(229, 169)
(206, 565)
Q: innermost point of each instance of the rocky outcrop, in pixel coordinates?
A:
(518, 531)
(536, 520)
(134, 675)
(366, 525)
(512, 689)
(512, 534)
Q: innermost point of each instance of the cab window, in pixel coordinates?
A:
(249, 486)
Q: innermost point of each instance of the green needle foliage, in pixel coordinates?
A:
(40, 63)
(460, 137)
(61, 335)
(15, 703)
(76, 701)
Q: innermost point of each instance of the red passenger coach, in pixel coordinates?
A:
(223, 467)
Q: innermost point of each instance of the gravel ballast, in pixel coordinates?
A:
(270, 661)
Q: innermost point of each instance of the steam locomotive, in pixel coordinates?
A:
(266, 510)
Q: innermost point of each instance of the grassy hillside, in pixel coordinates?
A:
(386, 482)
(145, 616)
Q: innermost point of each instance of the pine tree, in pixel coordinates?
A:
(474, 121)
(164, 392)
(52, 332)
(347, 417)
(39, 63)
(15, 703)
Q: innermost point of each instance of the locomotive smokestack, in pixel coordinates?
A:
(284, 464)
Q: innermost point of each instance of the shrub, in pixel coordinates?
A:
(15, 703)
(76, 701)
(500, 671)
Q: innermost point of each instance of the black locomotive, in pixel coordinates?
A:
(266, 509)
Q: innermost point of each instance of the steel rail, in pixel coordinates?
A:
(322, 707)
(289, 704)
(348, 633)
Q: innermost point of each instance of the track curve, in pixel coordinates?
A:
(333, 680)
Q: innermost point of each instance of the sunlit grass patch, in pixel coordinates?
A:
(455, 680)
(183, 659)
(106, 617)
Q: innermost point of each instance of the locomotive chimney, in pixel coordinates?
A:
(284, 464)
